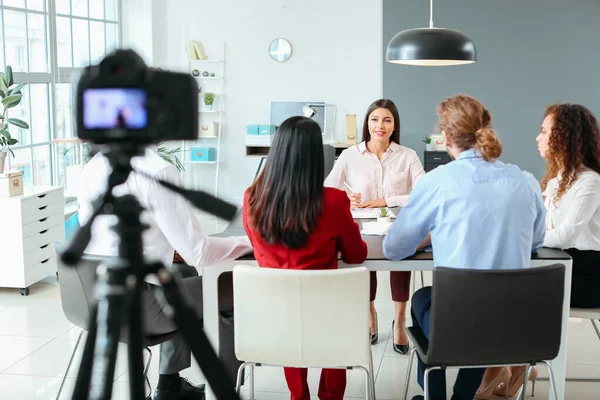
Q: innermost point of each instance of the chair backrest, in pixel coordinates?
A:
(329, 154)
(302, 318)
(77, 288)
(481, 317)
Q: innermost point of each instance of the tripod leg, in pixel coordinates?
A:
(111, 293)
(82, 384)
(190, 328)
(135, 349)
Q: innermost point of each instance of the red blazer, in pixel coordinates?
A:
(336, 232)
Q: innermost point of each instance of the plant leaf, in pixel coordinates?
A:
(17, 89)
(18, 122)
(3, 86)
(6, 134)
(13, 142)
(8, 76)
(12, 100)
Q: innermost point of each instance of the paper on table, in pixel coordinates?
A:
(359, 213)
(375, 228)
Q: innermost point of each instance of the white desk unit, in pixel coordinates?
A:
(31, 223)
(377, 262)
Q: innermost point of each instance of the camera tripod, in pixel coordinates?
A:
(118, 289)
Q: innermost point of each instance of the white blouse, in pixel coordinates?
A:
(390, 178)
(574, 221)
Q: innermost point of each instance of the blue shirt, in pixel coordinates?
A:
(481, 215)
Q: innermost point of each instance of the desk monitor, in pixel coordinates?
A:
(282, 110)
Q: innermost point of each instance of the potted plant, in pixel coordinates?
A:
(384, 215)
(169, 155)
(428, 144)
(209, 99)
(11, 97)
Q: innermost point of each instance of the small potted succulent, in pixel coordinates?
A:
(11, 97)
(209, 99)
(384, 215)
(428, 144)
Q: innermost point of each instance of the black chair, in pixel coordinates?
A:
(77, 295)
(472, 309)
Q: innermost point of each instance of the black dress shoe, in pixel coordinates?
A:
(374, 338)
(399, 348)
(187, 389)
(419, 397)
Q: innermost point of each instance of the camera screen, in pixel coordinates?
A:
(115, 108)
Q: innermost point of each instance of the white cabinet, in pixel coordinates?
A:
(30, 225)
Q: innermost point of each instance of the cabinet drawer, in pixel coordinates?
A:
(35, 202)
(49, 236)
(40, 270)
(38, 255)
(36, 214)
(42, 224)
(437, 157)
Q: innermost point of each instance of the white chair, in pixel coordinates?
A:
(303, 319)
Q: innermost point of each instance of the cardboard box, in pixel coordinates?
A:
(209, 129)
(11, 183)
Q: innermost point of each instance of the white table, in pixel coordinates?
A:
(377, 262)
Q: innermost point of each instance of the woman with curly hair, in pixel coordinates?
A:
(569, 140)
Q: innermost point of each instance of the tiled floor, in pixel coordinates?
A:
(36, 342)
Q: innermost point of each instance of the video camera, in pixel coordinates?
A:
(121, 100)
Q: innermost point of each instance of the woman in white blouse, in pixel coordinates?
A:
(569, 140)
(381, 173)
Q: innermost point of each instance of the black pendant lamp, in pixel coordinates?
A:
(431, 46)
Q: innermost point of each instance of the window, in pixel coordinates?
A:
(46, 50)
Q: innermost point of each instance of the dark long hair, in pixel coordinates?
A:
(389, 105)
(574, 142)
(286, 200)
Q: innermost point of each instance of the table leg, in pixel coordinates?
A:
(210, 306)
(559, 364)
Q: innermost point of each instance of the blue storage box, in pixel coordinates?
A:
(266, 129)
(202, 154)
(251, 129)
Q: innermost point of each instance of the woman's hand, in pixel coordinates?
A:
(373, 204)
(355, 199)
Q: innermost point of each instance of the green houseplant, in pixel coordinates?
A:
(11, 97)
(384, 215)
(209, 99)
(428, 143)
(169, 155)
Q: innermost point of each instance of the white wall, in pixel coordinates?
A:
(337, 57)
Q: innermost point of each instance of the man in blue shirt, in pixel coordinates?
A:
(481, 213)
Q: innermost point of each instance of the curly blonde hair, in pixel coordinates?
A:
(574, 143)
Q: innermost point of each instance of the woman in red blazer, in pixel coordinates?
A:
(294, 222)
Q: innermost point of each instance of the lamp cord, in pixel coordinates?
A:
(431, 13)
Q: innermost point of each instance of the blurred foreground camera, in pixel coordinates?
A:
(121, 100)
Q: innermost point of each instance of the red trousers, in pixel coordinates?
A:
(400, 283)
(331, 386)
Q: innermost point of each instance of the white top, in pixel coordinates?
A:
(173, 224)
(390, 178)
(574, 221)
